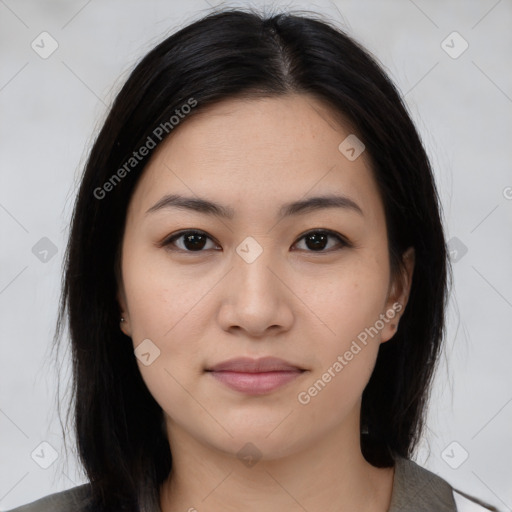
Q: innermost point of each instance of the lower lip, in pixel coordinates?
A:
(255, 383)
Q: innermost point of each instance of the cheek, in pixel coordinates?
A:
(161, 296)
(350, 299)
(165, 308)
(349, 304)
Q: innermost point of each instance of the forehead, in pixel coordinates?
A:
(249, 153)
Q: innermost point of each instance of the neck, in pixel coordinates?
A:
(330, 476)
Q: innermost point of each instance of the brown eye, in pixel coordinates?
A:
(190, 241)
(318, 241)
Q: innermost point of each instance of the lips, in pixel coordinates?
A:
(255, 376)
(248, 365)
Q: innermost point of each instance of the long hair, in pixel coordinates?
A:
(119, 427)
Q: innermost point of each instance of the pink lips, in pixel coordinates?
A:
(255, 376)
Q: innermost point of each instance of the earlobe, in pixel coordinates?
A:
(124, 326)
(124, 317)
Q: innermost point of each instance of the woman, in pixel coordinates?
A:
(256, 280)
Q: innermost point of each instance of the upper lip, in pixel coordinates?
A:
(248, 365)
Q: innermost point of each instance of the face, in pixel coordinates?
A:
(256, 278)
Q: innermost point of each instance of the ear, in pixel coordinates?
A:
(398, 296)
(125, 323)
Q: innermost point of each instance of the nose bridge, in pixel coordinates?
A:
(256, 299)
(252, 267)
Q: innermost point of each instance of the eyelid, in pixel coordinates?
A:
(342, 240)
(174, 236)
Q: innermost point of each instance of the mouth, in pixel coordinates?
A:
(255, 376)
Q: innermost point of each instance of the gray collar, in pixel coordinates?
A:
(415, 489)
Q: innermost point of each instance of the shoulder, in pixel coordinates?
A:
(416, 489)
(71, 500)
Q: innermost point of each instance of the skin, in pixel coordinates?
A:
(292, 302)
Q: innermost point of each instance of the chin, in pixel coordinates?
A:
(265, 443)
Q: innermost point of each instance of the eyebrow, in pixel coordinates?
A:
(288, 209)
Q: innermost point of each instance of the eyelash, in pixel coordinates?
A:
(342, 241)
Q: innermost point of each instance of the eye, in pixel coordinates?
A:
(197, 241)
(192, 241)
(317, 240)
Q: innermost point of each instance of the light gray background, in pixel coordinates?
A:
(50, 109)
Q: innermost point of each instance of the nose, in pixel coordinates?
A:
(257, 299)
